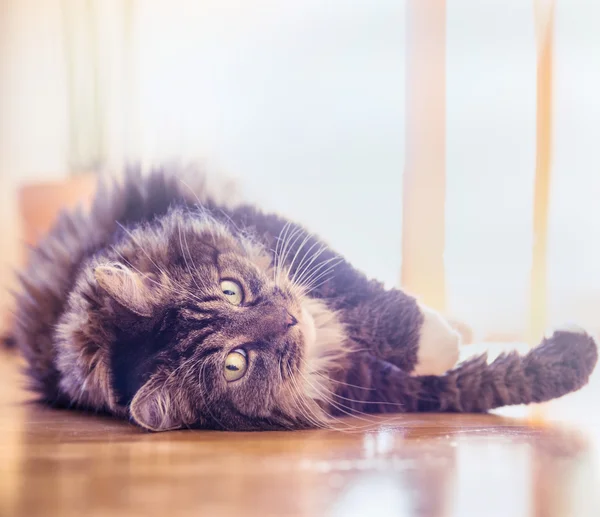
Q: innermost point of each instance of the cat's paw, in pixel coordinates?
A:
(438, 345)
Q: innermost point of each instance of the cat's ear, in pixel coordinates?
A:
(138, 292)
(154, 408)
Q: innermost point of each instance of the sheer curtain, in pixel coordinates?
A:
(304, 102)
(491, 99)
(490, 162)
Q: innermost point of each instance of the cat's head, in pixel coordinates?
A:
(207, 330)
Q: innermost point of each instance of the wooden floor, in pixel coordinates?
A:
(68, 464)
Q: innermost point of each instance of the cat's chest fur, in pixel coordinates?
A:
(327, 344)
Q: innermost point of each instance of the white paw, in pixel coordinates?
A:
(438, 345)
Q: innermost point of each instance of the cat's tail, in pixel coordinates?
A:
(562, 363)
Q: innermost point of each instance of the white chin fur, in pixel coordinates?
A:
(325, 344)
(307, 325)
(438, 345)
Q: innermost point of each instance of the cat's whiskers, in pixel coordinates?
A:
(159, 269)
(319, 272)
(199, 205)
(240, 230)
(325, 422)
(302, 406)
(354, 412)
(333, 393)
(308, 265)
(133, 238)
(185, 259)
(192, 191)
(315, 287)
(278, 241)
(290, 244)
(149, 279)
(324, 277)
(276, 253)
(281, 384)
(286, 250)
(320, 269)
(281, 242)
(299, 272)
(301, 403)
(316, 372)
(302, 244)
(279, 369)
(347, 410)
(82, 389)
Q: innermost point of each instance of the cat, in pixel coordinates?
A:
(169, 307)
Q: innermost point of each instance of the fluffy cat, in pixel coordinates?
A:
(167, 307)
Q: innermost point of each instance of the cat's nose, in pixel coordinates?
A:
(290, 321)
(275, 320)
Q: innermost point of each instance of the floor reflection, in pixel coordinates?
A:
(69, 464)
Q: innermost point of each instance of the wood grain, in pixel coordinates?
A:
(60, 463)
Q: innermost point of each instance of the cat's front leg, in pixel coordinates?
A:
(393, 326)
(438, 344)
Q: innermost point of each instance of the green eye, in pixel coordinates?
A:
(236, 364)
(233, 291)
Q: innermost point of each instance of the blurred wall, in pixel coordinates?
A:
(33, 98)
(304, 103)
(33, 115)
(301, 101)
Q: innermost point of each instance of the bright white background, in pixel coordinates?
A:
(303, 102)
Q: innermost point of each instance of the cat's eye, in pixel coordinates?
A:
(232, 291)
(236, 364)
